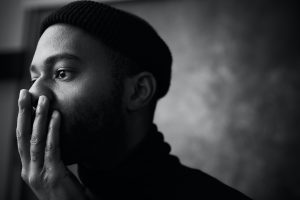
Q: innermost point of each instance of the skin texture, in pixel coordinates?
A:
(83, 114)
(84, 92)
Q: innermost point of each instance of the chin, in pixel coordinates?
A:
(69, 148)
(75, 147)
(69, 155)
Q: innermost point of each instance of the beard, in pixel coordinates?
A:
(94, 132)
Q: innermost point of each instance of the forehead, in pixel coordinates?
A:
(61, 38)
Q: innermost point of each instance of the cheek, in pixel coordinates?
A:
(80, 101)
(82, 91)
(71, 101)
(79, 117)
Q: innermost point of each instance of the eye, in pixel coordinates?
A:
(62, 74)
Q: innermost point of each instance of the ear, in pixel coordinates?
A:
(142, 88)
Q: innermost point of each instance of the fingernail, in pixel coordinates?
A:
(55, 114)
(23, 94)
(22, 99)
(42, 100)
(40, 104)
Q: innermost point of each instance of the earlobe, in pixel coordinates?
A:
(142, 92)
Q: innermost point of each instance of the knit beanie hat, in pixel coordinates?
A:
(124, 32)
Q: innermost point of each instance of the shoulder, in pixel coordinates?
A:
(183, 182)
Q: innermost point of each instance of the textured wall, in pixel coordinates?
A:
(7, 101)
(11, 23)
(233, 108)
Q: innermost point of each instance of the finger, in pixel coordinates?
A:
(52, 150)
(39, 134)
(23, 130)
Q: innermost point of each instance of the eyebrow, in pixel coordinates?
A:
(51, 60)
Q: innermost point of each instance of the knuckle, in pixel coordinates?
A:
(49, 156)
(38, 113)
(21, 110)
(24, 175)
(50, 148)
(49, 169)
(21, 102)
(39, 110)
(18, 134)
(22, 106)
(35, 155)
(34, 140)
(34, 181)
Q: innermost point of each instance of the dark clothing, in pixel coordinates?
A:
(152, 173)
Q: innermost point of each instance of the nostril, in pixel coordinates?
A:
(33, 112)
(34, 101)
(34, 105)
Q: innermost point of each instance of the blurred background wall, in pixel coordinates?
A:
(11, 23)
(233, 108)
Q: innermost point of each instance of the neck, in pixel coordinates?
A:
(134, 130)
(152, 159)
(138, 129)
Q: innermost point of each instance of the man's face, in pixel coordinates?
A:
(72, 69)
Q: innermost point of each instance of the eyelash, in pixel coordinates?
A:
(56, 75)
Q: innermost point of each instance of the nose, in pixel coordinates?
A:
(38, 88)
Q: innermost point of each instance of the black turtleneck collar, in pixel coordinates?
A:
(150, 172)
(150, 158)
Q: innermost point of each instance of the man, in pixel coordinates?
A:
(97, 74)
